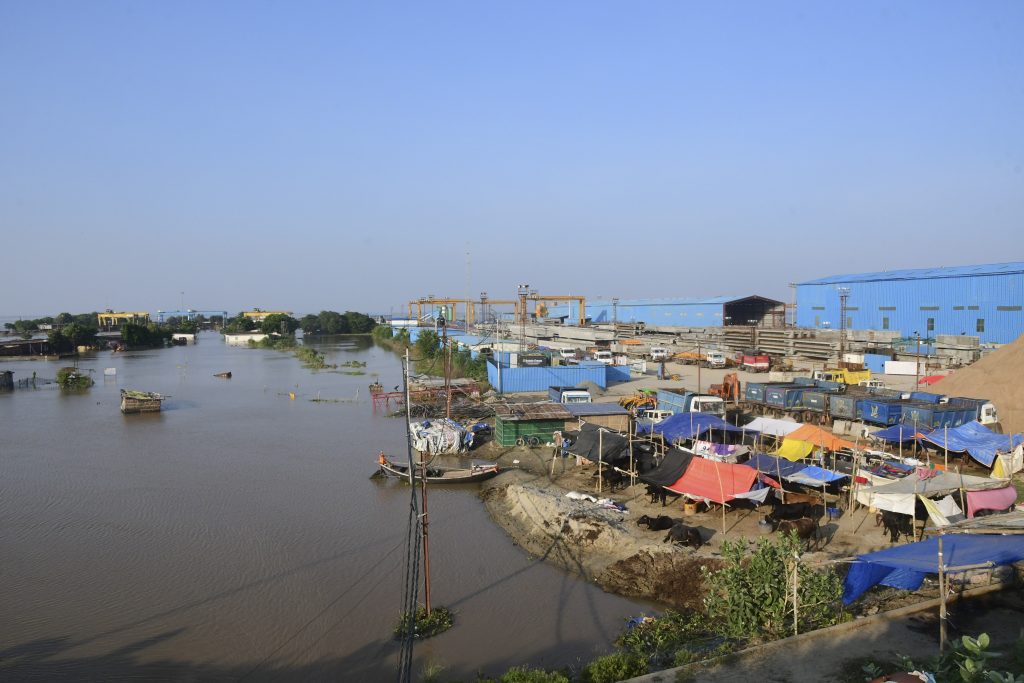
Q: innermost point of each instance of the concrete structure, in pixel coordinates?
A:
(163, 316)
(719, 311)
(243, 338)
(259, 315)
(986, 301)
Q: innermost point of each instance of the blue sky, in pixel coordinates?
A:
(349, 155)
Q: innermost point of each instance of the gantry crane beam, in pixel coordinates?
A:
(582, 300)
(468, 304)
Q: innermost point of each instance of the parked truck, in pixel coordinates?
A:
(683, 401)
(568, 395)
(844, 375)
(755, 361)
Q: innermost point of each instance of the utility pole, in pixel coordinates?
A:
(917, 360)
(700, 361)
(447, 369)
(524, 291)
(426, 543)
(844, 295)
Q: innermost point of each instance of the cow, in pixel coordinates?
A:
(782, 511)
(985, 512)
(799, 497)
(659, 523)
(661, 493)
(806, 528)
(612, 478)
(895, 524)
(680, 534)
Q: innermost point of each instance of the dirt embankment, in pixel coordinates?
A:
(997, 378)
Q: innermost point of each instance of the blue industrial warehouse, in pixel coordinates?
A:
(983, 301)
(716, 311)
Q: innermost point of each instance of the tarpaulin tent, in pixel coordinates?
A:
(898, 433)
(810, 438)
(773, 466)
(715, 481)
(905, 566)
(440, 436)
(771, 426)
(898, 496)
(672, 467)
(974, 438)
(815, 476)
(992, 499)
(607, 447)
(691, 425)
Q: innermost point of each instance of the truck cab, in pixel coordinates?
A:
(659, 353)
(871, 383)
(604, 357)
(715, 359)
(654, 416)
(843, 375)
(567, 354)
(706, 403)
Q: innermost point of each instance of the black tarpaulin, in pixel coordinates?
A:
(613, 446)
(672, 467)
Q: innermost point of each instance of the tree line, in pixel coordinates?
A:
(312, 325)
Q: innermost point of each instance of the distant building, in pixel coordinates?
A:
(719, 311)
(258, 315)
(109, 320)
(164, 316)
(985, 301)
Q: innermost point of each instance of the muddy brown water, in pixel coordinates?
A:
(237, 534)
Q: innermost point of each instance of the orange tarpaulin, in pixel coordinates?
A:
(716, 481)
(819, 437)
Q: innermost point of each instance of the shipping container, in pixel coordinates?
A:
(828, 385)
(804, 381)
(508, 380)
(845, 406)
(815, 400)
(886, 412)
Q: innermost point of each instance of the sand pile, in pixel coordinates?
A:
(999, 377)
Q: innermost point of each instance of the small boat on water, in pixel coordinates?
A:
(439, 475)
(140, 401)
(223, 375)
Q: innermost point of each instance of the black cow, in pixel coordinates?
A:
(659, 523)
(612, 478)
(985, 512)
(782, 511)
(661, 493)
(895, 524)
(680, 534)
(806, 528)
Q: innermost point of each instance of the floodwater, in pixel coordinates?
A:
(237, 535)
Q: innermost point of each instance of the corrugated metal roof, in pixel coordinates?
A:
(668, 301)
(532, 411)
(923, 273)
(593, 409)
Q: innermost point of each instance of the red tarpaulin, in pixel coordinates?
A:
(717, 481)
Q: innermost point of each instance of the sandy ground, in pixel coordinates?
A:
(606, 546)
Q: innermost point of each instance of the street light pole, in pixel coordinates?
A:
(917, 360)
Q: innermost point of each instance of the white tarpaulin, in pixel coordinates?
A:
(773, 427)
(440, 436)
(899, 495)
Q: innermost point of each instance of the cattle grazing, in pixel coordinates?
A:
(661, 493)
(680, 534)
(612, 478)
(806, 528)
(659, 523)
(895, 524)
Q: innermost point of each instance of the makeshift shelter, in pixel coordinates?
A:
(905, 566)
(801, 442)
(975, 439)
(598, 444)
(770, 426)
(898, 433)
(684, 426)
(672, 467)
(718, 482)
(440, 436)
(798, 473)
(899, 496)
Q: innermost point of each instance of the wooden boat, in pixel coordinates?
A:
(439, 475)
(223, 375)
(140, 401)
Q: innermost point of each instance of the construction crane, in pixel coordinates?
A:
(581, 300)
(469, 306)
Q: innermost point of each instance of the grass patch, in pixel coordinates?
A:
(440, 620)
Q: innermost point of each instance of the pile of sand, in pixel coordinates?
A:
(998, 377)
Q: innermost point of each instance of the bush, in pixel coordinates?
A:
(423, 626)
(71, 378)
(663, 640)
(523, 674)
(613, 668)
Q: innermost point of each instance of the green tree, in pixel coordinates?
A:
(80, 335)
(279, 323)
(310, 324)
(428, 344)
(332, 322)
(63, 319)
(239, 323)
(359, 323)
(58, 342)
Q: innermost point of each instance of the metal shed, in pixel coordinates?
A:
(518, 423)
(986, 301)
(610, 415)
(717, 311)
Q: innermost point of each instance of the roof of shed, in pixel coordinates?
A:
(923, 273)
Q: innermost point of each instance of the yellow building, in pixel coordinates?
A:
(108, 319)
(258, 315)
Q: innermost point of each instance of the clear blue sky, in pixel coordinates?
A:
(348, 155)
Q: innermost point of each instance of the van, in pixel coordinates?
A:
(604, 357)
(655, 416)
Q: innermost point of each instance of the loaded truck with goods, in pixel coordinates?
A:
(704, 358)
(683, 401)
(569, 395)
(754, 360)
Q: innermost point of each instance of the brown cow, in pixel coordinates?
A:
(806, 528)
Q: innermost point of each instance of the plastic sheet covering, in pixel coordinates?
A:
(898, 496)
(773, 466)
(715, 481)
(975, 439)
(1008, 464)
(772, 426)
(819, 437)
(794, 449)
(905, 566)
(692, 425)
(993, 499)
(672, 467)
(940, 511)
(440, 436)
(815, 476)
(898, 433)
(596, 444)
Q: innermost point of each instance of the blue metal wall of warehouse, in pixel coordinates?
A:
(674, 312)
(983, 301)
(518, 380)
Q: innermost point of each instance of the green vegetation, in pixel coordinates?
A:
(311, 358)
(423, 626)
(238, 324)
(273, 343)
(752, 595)
(525, 674)
(332, 322)
(71, 378)
(149, 336)
(279, 323)
(71, 336)
(428, 347)
(614, 667)
(967, 661)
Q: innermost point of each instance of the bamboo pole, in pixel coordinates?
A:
(945, 459)
(600, 460)
(721, 492)
(942, 599)
(796, 597)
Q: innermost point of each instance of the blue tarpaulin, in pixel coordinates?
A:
(774, 466)
(905, 566)
(975, 439)
(898, 433)
(815, 476)
(691, 425)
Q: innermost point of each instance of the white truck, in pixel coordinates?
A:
(604, 357)
(659, 353)
(715, 359)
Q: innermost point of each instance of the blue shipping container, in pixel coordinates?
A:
(883, 411)
(844, 407)
(784, 397)
(755, 391)
(518, 380)
(815, 400)
(939, 416)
